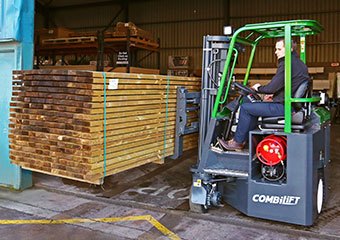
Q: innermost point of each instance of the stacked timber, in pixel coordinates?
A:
(87, 125)
(130, 29)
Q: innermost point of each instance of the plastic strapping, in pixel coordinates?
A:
(166, 114)
(104, 122)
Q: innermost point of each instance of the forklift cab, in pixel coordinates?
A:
(282, 176)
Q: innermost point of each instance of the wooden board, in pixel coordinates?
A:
(69, 40)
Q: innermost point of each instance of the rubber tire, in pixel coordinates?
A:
(197, 208)
(321, 191)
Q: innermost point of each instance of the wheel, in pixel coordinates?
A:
(245, 90)
(197, 208)
(320, 193)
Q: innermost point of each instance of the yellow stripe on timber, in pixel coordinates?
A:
(148, 218)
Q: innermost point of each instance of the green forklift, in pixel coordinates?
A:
(282, 176)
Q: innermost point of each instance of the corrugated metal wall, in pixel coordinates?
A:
(181, 24)
(322, 49)
(86, 18)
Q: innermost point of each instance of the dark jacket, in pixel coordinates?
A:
(276, 85)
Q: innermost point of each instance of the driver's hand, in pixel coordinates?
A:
(268, 98)
(256, 86)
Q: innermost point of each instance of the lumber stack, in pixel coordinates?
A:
(87, 125)
(51, 33)
(130, 29)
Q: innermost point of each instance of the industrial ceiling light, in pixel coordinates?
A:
(227, 30)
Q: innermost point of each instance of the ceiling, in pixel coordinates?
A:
(68, 3)
(75, 3)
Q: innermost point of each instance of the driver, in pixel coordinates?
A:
(273, 104)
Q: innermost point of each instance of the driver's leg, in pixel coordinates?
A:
(247, 121)
(249, 113)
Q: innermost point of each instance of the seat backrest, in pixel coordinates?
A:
(301, 111)
(301, 92)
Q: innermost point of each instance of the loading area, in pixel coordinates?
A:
(139, 154)
(122, 208)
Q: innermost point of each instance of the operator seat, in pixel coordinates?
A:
(300, 113)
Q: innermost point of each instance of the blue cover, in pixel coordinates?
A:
(16, 20)
(16, 53)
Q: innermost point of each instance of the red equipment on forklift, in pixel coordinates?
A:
(272, 152)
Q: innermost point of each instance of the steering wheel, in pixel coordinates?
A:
(245, 90)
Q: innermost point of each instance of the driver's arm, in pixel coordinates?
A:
(277, 82)
(256, 87)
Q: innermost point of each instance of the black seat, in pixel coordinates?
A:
(299, 116)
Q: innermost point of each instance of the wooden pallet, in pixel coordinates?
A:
(71, 40)
(134, 41)
(58, 125)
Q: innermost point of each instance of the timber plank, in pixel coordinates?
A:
(83, 111)
(116, 134)
(117, 156)
(115, 146)
(154, 80)
(111, 146)
(114, 165)
(59, 140)
(93, 148)
(96, 120)
(94, 126)
(73, 131)
(111, 159)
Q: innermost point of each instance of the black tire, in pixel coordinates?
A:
(197, 208)
(320, 191)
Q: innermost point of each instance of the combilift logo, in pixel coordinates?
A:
(280, 200)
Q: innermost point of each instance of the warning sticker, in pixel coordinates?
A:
(198, 183)
(113, 83)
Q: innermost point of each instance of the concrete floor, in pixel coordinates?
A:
(157, 190)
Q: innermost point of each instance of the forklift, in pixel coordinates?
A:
(282, 175)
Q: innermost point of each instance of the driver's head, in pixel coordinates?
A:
(280, 47)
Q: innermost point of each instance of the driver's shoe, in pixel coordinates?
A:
(231, 144)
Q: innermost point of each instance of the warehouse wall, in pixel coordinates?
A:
(181, 24)
(322, 49)
(81, 17)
